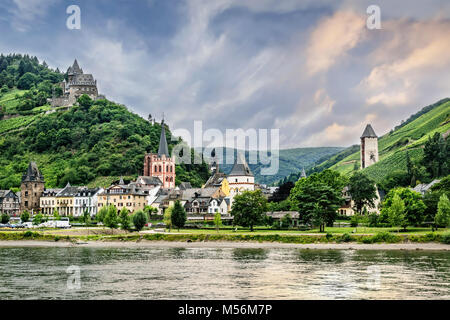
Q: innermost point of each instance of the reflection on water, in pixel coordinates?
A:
(206, 273)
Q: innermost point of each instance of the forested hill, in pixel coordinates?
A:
(290, 161)
(94, 143)
(409, 139)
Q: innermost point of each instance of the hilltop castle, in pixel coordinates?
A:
(77, 84)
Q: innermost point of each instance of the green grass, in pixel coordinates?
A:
(333, 230)
(16, 123)
(8, 100)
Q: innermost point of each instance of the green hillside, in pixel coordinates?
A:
(410, 136)
(94, 143)
(290, 161)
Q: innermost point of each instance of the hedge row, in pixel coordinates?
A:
(382, 237)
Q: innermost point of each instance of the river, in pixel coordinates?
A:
(222, 273)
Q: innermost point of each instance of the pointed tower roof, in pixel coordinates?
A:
(121, 182)
(240, 167)
(303, 174)
(369, 132)
(163, 147)
(33, 173)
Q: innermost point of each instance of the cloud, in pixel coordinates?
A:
(26, 13)
(414, 56)
(332, 39)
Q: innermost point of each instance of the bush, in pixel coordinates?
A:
(385, 236)
(345, 238)
(445, 237)
(28, 234)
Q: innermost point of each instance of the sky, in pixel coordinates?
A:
(311, 69)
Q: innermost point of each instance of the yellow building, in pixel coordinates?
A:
(122, 196)
(48, 202)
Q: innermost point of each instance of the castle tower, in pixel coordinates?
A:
(31, 189)
(241, 177)
(369, 147)
(161, 164)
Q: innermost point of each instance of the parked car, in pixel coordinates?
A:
(2, 225)
(160, 224)
(27, 224)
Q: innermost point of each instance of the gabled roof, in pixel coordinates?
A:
(240, 167)
(148, 181)
(163, 147)
(369, 132)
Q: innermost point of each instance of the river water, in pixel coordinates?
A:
(225, 273)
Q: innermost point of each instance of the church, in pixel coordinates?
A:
(161, 164)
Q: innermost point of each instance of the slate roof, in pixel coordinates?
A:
(240, 167)
(148, 181)
(369, 132)
(163, 147)
(33, 174)
(185, 185)
(215, 180)
(68, 191)
(7, 193)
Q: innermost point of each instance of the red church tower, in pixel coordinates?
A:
(160, 164)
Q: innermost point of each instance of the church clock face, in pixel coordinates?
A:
(372, 156)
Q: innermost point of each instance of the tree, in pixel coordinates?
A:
(362, 190)
(124, 219)
(443, 214)
(111, 219)
(318, 197)
(396, 212)
(56, 215)
(37, 219)
(249, 208)
(101, 214)
(414, 206)
(85, 102)
(178, 216)
(286, 221)
(86, 218)
(167, 219)
(27, 81)
(217, 221)
(25, 216)
(282, 192)
(436, 155)
(5, 218)
(139, 220)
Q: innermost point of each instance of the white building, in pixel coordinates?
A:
(240, 178)
(86, 199)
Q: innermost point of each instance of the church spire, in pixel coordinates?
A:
(163, 147)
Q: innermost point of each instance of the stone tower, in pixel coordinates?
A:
(369, 147)
(161, 164)
(31, 189)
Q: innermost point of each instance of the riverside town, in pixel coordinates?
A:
(224, 150)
